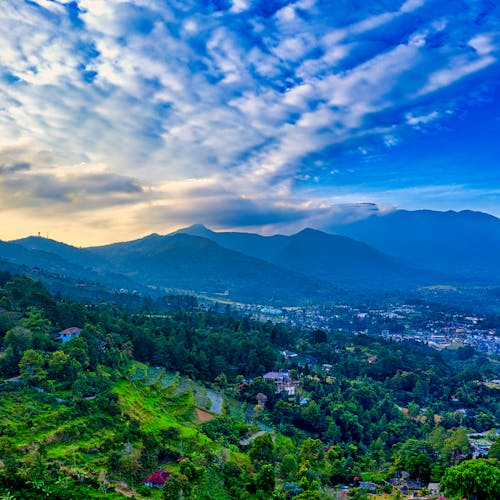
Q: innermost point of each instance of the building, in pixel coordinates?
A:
(283, 382)
(156, 480)
(68, 334)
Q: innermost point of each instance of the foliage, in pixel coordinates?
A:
(262, 451)
(225, 430)
(479, 478)
(119, 401)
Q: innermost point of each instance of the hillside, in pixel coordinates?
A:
(69, 253)
(336, 259)
(210, 401)
(399, 251)
(196, 264)
(69, 270)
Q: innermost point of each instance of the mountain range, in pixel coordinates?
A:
(465, 243)
(399, 250)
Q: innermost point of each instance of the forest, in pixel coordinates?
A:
(138, 390)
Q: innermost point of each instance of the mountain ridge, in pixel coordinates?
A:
(310, 264)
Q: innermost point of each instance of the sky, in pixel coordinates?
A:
(122, 118)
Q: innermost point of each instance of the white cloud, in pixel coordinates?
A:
(167, 92)
(458, 69)
(240, 5)
(412, 119)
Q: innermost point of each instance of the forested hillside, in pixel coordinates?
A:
(228, 407)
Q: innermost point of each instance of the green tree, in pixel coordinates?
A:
(288, 466)
(129, 461)
(312, 451)
(494, 451)
(262, 451)
(413, 409)
(19, 339)
(31, 367)
(419, 467)
(188, 469)
(266, 479)
(437, 437)
(177, 487)
(478, 478)
(457, 445)
(308, 495)
(413, 448)
(58, 364)
(221, 380)
(40, 329)
(78, 349)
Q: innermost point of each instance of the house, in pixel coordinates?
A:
(68, 334)
(367, 485)
(156, 480)
(433, 488)
(283, 382)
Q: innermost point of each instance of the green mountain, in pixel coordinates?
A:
(64, 268)
(191, 263)
(332, 258)
(402, 250)
(69, 253)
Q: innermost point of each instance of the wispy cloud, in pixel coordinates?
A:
(250, 103)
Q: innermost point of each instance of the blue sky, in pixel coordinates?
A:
(120, 118)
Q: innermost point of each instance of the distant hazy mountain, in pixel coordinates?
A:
(79, 256)
(400, 250)
(344, 260)
(466, 243)
(333, 258)
(187, 262)
(261, 247)
(57, 260)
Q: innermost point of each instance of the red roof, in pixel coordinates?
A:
(159, 477)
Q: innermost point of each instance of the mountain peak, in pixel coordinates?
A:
(198, 227)
(40, 243)
(195, 230)
(309, 230)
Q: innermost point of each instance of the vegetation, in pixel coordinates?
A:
(138, 390)
(473, 479)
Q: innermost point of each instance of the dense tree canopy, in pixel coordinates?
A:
(380, 409)
(471, 479)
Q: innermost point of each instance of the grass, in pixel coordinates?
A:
(29, 416)
(157, 408)
(80, 442)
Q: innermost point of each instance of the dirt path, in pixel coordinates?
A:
(124, 489)
(203, 416)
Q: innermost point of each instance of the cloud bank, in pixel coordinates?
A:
(144, 115)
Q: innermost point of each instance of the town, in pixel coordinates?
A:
(423, 322)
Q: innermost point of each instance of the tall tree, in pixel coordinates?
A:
(478, 478)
